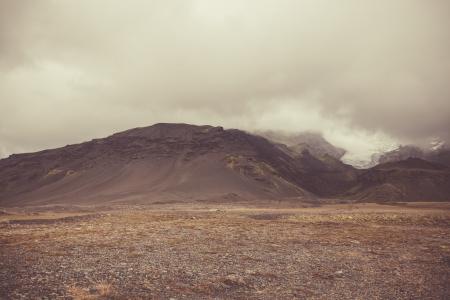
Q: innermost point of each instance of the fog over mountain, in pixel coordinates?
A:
(367, 74)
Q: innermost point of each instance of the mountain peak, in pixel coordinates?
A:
(168, 130)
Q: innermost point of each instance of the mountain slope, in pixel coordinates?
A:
(163, 161)
(412, 179)
(314, 143)
(181, 162)
(438, 154)
(401, 153)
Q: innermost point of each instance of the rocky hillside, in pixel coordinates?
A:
(181, 162)
(156, 163)
(412, 179)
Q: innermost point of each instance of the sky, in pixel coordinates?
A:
(367, 74)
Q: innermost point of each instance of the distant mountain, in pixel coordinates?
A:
(401, 153)
(315, 143)
(441, 156)
(181, 162)
(437, 152)
(412, 179)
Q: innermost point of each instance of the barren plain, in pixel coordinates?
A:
(239, 251)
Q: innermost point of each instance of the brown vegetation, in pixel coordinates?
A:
(336, 251)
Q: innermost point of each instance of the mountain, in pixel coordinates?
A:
(438, 152)
(156, 163)
(401, 153)
(181, 162)
(441, 156)
(413, 179)
(322, 171)
(170, 162)
(315, 143)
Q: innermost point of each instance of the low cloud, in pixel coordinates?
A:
(365, 73)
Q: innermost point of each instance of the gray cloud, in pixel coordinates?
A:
(359, 71)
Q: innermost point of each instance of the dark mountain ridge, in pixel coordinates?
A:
(440, 155)
(181, 162)
(413, 179)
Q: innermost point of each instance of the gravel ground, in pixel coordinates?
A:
(340, 252)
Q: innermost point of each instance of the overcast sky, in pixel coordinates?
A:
(365, 73)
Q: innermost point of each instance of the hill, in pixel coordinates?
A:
(185, 163)
(156, 163)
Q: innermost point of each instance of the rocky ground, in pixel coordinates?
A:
(228, 252)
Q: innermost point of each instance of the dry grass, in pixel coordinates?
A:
(78, 293)
(102, 290)
(345, 252)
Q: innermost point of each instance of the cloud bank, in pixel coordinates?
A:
(365, 73)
